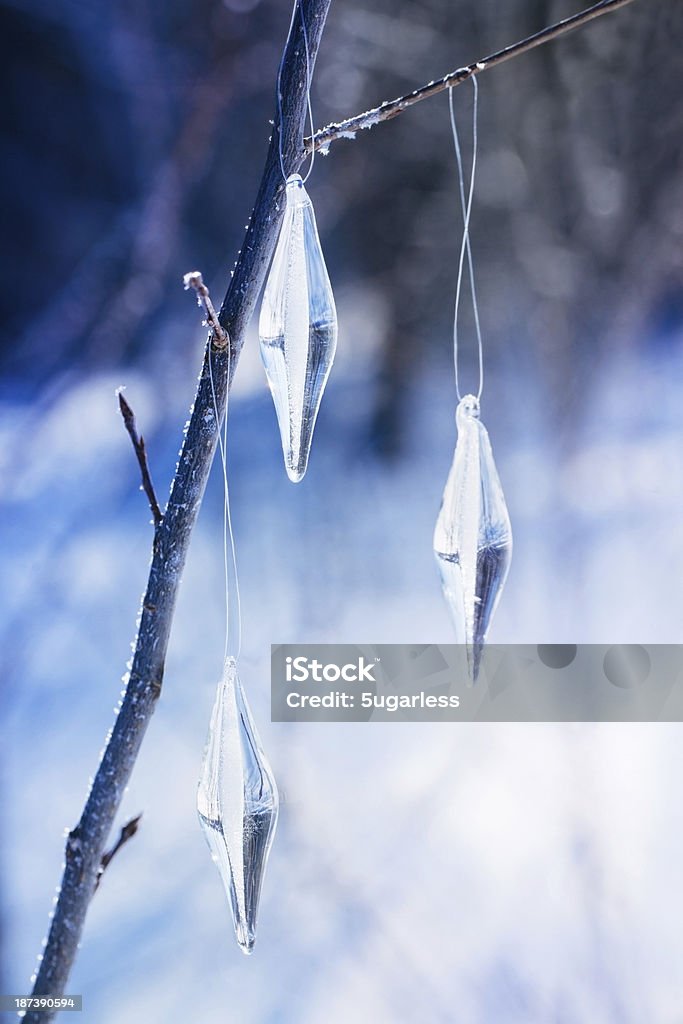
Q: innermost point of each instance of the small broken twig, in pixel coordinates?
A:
(195, 280)
(141, 453)
(126, 833)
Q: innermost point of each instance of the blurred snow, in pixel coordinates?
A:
(421, 872)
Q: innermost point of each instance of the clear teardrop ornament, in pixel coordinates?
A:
(237, 801)
(297, 328)
(472, 538)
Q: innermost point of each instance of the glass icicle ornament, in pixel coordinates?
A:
(237, 803)
(297, 328)
(472, 539)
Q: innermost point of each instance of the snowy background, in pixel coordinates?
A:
(477, 874)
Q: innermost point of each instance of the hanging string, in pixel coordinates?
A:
(297, 7)
(233, 604)
(466, 247)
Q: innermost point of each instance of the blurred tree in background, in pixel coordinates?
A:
(134, 134)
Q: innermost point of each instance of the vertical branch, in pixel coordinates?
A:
(85, 843)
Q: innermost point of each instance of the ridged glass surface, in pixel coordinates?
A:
(472, 539)
(297, 328)
(237, 803)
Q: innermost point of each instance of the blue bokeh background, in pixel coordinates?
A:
(472, 873)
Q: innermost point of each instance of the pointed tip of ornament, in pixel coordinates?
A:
(474, 653)
(248, 947)
(296, 473)
(246, 940)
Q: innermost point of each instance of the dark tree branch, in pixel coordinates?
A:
(126, 833)
(195, 280)
(85, 844)
(392, 108)
(141, 454)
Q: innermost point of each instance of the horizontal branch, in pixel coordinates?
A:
(392, 108)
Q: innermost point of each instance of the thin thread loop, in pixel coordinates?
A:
(297, 6)
(465, 247)
(233, 627)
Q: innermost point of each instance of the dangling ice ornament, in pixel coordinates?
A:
(472, 539)
(297, 328)
(237, 803)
